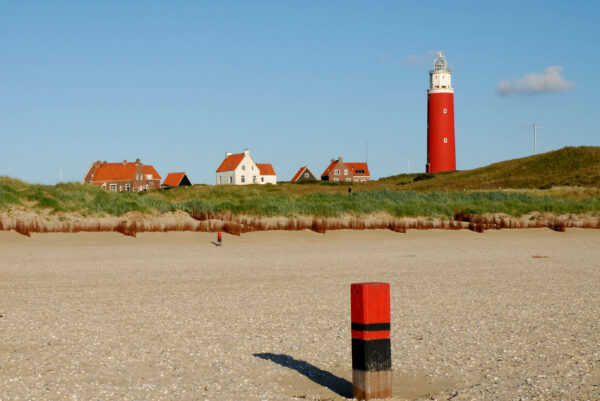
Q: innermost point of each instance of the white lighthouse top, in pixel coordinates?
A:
(440, 77)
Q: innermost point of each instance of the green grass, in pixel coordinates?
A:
(570, 166)
(432, 195)
(275, 201)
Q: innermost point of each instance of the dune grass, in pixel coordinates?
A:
(277, 200)
(559, 182)
(569, 166)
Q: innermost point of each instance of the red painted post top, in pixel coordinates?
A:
(370, 304)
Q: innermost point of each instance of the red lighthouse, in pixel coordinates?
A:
(441, 155)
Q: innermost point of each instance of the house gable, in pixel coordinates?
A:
(304, 174)
(176, 180)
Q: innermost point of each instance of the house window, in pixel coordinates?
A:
(363, 180)
(113, 187)
(230, 180)
(243, 167)
(262, 179)
(345, 171)
(336, 172)
(120, 188)
(243, 178)
(254, 179)
(306, 175)
(348, 179)
(127, 187)
(146, 187)
(220, 179)
(360, 171)
(336, 179)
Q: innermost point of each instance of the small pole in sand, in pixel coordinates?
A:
(219, 239)
(371, 347)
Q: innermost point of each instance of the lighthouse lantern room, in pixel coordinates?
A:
(441, 155)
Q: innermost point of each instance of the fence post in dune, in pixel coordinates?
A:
(371, 347)
(219, 239)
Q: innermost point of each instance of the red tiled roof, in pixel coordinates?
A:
(150, 170)
(299, 173)
(98, 183)
(328, 169)
(231, 162)
(115, 172)
(265, 169)
(359, 166)
(121, 172)
(351, 166)
(173, 179)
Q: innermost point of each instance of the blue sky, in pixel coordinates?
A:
(178, 84)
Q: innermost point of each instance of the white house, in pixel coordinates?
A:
(240, 169)
(267, 174)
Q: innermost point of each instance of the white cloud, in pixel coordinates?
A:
(422, 60)
(548, 81)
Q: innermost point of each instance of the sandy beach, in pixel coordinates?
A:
(502, 315)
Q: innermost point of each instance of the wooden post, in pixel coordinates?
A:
(371, 347)
(219, 239)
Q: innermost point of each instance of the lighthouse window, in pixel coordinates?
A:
(445, 111)
(445, 140)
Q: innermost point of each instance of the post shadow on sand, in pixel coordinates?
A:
(334, 383)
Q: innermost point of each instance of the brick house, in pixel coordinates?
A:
(339, 170)
(304, 174)
(125, 176)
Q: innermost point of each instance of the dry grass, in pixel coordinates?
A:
(237, 225)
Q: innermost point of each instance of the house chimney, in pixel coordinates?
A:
(227, 154)
(138, 162)
(104, 162)
(332, 160)
(246, 152)
(340, 159)
(124, 161)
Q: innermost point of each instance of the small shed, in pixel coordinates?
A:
(304, 174)
(176, 180)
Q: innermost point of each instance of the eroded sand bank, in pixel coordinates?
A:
(499, 315)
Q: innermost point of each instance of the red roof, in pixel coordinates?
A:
(173, 179)
(265, 169)
(328, 169)
(351, 166)
(359, 166)
(299, 173)
(150, 170)
(121, 172)
(231, 162)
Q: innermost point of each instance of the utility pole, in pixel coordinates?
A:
(535, 127)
